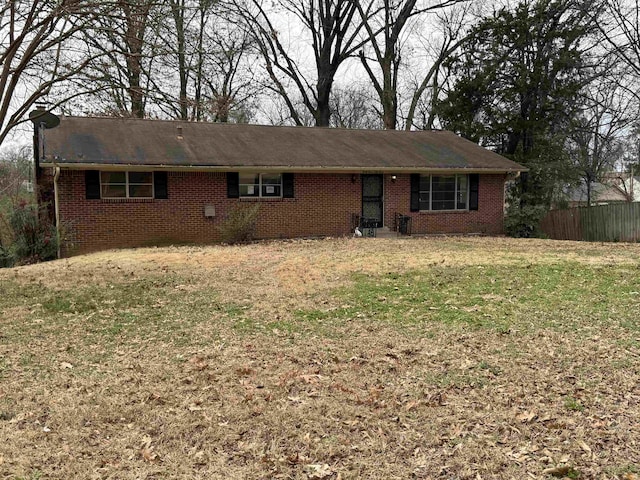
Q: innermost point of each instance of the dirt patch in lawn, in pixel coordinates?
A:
(451, 358)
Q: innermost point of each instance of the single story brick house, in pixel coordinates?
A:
(122, 182)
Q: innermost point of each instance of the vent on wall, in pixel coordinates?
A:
(209, 211)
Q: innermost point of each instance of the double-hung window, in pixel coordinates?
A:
(444, 192)
(260, 185)
(126, 184)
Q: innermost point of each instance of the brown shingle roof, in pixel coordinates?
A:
(79, 141)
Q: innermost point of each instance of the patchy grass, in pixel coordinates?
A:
(493, 297)
(415, 358)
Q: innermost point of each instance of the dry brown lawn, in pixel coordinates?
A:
(443, 358)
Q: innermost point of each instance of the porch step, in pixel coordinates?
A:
(385, 232)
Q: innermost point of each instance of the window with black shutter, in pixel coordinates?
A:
(443, 192)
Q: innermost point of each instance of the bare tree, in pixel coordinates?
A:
(35, 53)
(622, 32)
(205, 8)
(209, 57)
(16, 172)
(384, 30)
(172, 59)
(230, 85)
(178, 45)
(354, 107)
(452, 25)
(333, 27)
(631, 158)
(123, 53)
(595, 138)
(277, 111)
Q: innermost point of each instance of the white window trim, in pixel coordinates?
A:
(260, 186)
(456, 209)
(127, 183)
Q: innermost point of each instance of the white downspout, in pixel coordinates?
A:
(56, 206)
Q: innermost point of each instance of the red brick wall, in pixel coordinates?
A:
(487, 219)
(323, 205)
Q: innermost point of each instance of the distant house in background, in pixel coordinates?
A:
(130, 182)
(616, 187)
(628, 184)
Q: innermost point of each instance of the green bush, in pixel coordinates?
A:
(6, 259)
(240, 224)
(524, 220)
(33, 236)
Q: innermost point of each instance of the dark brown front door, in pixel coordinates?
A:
(372, 201)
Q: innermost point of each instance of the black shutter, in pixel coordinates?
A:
(474, 180)
(415, 192)
(160, 185)
(233, 185)
(92, 184)
(287, 185)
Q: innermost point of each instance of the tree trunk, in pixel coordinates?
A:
(389, 98)
(322, 113)
(136, 16)
(389, 110)
(223, 105)
(197, 109)
(136, 22)
(136, 93)
(178, 8)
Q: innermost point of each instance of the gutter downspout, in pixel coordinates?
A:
(56, 207)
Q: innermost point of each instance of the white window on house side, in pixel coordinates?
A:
(126, 184)
(257, 185)
(444, 192)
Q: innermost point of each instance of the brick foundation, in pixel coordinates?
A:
(323, 206)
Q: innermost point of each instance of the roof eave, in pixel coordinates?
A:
(279, 168)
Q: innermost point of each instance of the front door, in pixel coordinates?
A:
(372, 199)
